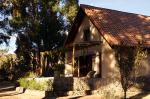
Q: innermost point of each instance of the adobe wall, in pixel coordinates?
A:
(108, 63)
(79, 38)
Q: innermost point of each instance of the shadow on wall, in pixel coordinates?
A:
(59, 86)
(62, 85)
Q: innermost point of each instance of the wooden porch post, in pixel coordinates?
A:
(100, 58)
(73, 59)
(78, 68)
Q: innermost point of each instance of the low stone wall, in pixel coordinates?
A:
(81, 84)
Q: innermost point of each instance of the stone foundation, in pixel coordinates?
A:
(84, 86)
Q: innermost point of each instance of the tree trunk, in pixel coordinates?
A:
(125, 94)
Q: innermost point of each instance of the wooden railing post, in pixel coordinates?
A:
(73, 59)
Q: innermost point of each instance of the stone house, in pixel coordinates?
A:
(94, 35)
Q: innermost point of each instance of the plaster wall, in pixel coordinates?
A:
(86, 23)
(108, 62)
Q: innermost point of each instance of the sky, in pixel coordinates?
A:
(132, 6)
(11, 47)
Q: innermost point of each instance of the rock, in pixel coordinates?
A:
(20, 89)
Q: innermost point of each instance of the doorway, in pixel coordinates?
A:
(85, 64)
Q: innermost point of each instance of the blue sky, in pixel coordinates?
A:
(133, 6)
(11, 47)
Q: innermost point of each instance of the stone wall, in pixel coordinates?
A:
(104, 87)
(95, 85)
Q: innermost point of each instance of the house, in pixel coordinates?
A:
(94, 35)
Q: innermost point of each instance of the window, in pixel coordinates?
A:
(87, 35)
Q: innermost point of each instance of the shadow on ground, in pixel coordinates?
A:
(139, 96)
(7, 89)
(143, 83)
(9, 94)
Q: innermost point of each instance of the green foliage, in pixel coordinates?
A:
(35, 85)
(3, 52)
(45, 23)
(44, 26)
(40, 22)
(5, 11)
(52, 61)
(6, 66)
(140, 54)
(31, 75)
(70, 9)
(12, 68)
(23, 82)
(128, 59)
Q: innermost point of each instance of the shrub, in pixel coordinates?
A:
(23, 82)
(6, 67)
(31, 75)
(12, 68)
(34, 84)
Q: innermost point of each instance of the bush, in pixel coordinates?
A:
(35, 85)
(12, 68)
(6, 67)
(31, 75)
(23, 82)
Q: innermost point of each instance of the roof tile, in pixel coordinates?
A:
(118, 27)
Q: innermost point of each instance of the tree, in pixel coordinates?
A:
(3, 52)
(5, 30)
(40, 25)
(70, 9)
(43, 20)
(4, 38)
(128, 59)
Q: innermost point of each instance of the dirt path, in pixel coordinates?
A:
(7, 91)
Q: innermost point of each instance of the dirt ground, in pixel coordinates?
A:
(7, 91)
(14, 95)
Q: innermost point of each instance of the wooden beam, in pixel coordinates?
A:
(73, 59)
(78, 68)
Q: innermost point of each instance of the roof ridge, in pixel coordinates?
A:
(83, 6)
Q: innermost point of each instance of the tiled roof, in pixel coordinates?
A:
(120, 27)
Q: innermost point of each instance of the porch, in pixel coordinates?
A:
(83, 59)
